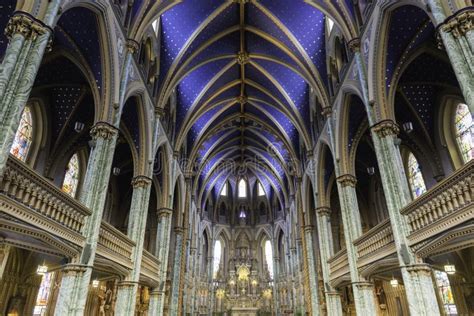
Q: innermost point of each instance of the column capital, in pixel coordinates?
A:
(417, 268)
(308, 228)
(26, 25)
(460, 23)
(385, 128)
(159, 112)
(354, 44)
(327, 111)
(363, 284)
(132, 45)
(323, 211)
(179, 230)
(164, 212)
(347, 180)
(103, 130)
(73, 269)
(125, 284)
(141, 182)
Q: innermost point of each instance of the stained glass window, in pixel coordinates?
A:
(464, 131)
(217, 258)
(71, 178)
(43, 294)
(415, 178)
(224, 190)
(24, 135)
(260, 189)
(242, 188)
(269, 257)
(444, 287)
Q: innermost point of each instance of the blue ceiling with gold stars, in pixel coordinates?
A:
(242, 72)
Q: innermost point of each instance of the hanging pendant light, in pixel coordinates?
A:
(95, 283)
(449, 269)
(394, 282)
(42, 269)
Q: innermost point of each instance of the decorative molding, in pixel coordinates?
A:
(385, 128)
(459, 24)
(132, 45)
(347, 180)
(243, 58)
(164, 212)
(26, 25)
(141, 182)
(354, 45)
(323, 211)
(103, 130)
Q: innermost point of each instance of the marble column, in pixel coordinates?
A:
(29, 39)
(363, 291)
(127, 293)
(312, 272)
(417, 277)
(211, 294)
(4, 255)
(191, 271)
(163, 244)
(458, 39)
(299, 247)
(326, 251)
(276, 283)
(176, 278)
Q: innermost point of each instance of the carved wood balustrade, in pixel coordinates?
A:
(447, 204)
(375, 244)
(338, 265)
(29, 197)
(150, 266)
(115, 245)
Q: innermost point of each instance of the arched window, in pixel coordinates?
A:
(216, 258)
(224, 190)
(242, 188)
(464, 131)
(71, 178)
(260, 190)
(24, 136)
(415, 178)
(269, 257)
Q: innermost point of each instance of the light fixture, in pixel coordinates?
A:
(232, 282)
(394, 282)
(42, 269)
(116, 171)
(79, 127)
(371, 171)
(449, 268)
(254, 282)
(95, 283)
(408, 127)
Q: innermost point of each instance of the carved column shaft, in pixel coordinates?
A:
(126, 295)
(453, 35)
(326, 251)
(397, 194)
(163, 244)
(312, 271)
(29, 39)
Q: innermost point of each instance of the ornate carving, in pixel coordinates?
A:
(354, 44)
(164, 212)
(347, 180)
(25, 25)
(459, 24)
(243, 58)
(141, 182)
(74, 269)
(323, 211)
(327, 111)
(132, 45)
(103, 130)
(242, 99)
(308, 228)
(386, 128)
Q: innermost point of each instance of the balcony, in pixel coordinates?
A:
(375, 244)
(446, 205)
(338, 265)
(150, 266)
(31, 198)
(115, 245)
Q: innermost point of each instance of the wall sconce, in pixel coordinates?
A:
(42, 269)
(394, 282)
(408, 127)
(116, 171)
(371, 171)
(449, 269)
(95, 283)
(79, 127)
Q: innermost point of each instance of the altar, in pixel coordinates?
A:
(244, 311)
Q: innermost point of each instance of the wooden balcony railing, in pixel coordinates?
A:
(375, 244)
(26, 195)
(150, 266)
(115, 245)
(447, 204)
(338, 265)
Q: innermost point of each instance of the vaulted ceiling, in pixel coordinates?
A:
(244, 73)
